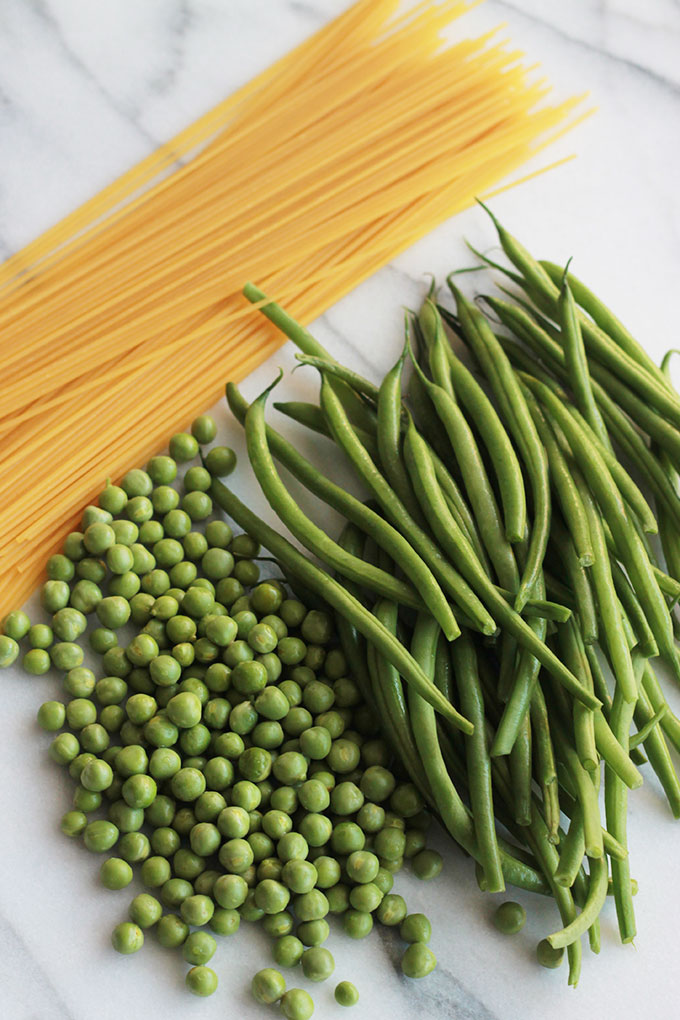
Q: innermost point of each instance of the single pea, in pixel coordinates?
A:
(346, 798)
(204, 429)
(391, 910)
(362, 866)
(201, 981)
(134, 847)
(198, 505)
(316, 829)
(145, 910)
(279, 924)
(37, 661)
(271, 896)
(219, 771)
(9, 651)
(509, 917)
(188, 784)
(139, 791)
(73, 823)
(220, 461)
(171, 931)
(51, 715)
(287, 951)
(290, 767)
(357, 923)
(245, 794)
(317, 627)
(347, 837)
(418, 961)
(137, 482)
(346, 994)
(205, 839)
(338, 898)
(416, 928)
(230, 891)
(183, 447)
(184, 709)
(427, 864)
(64, 748)
(197, 479)
(268, 985)
(175, 891)
(162, 470)
(115, 873)
(156, 871)
(65, 655)
(97, 775)
(100, 836)
(297, 1004)
(236, 856)
(127, 938)
(547, 956)
(366, 898)
(317, 964)
(199, 947)
(246, 572)
(197, 910)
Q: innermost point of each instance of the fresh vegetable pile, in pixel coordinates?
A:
(216, 738)
(502, 568)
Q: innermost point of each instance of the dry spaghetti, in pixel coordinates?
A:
(307, 180)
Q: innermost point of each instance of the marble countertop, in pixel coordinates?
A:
(88, 88)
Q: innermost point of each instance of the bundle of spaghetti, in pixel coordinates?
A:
(124, 320)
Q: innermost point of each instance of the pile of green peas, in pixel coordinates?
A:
(215, 738)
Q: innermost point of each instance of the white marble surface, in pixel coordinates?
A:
(86, 88)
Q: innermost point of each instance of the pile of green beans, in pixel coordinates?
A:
(217, 739)
(496, 593)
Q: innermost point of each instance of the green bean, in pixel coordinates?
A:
(425, 483)
(478, 762)
(579, 579)
(572, 851)
(657, 752)
(483, 414)
(637, 376)
(646, 728)
(613, 753)
(631, 549)
(453, 812)
(364, 466)
(599, 682)
(307, 343)
(429, 424)
(389, 437)
(597, 894)
(645, 639)
(338, 598)
(583, 787)
(391, 696)
(312, 417)
(604, 383)
(602, 316)
(546, 772)
(519, 761)
(351, 539)
(616, 800)
(304, 529)
(608, 602)
(506, 388)
(354, 510)
(565, 489)
(670, 724)
(477, 484)
(459, 508)
(576, 361)
(541, 609)
(523, 684)
(574, 657)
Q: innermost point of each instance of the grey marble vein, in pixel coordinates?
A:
(600, 51)
(16, 958)
(43, 11)
(178, 25)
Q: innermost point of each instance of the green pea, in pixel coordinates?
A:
(547, 956)
(287, 951)
(225, 922)
(171, 931)
(290, 768)
(97, 775)
(220, 461)
(271, 896)
(127, 938)
(51, 715)
(233, 822)
(199, 947)
(268, 986)
(201, 981)
(317, 964)
(100, 836)
(134, 847)
(509, 917)
(9, 651)
(427, 864)
(73, 823)
(366, 898)
(418, 961)
(338, 898)
(145, 910)
(64, 748)
(115, 873)
(416, 928)
(347, 837)
(246, 572)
